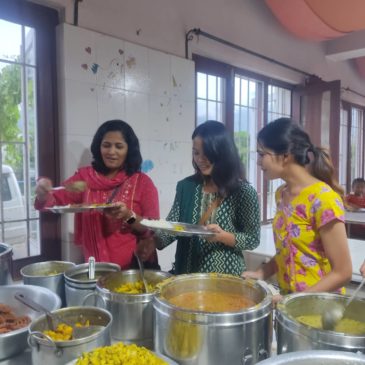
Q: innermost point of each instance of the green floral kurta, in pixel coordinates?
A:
(239, 214)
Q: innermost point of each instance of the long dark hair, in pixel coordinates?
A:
(283, 136)
(221, 151)
(133, 160)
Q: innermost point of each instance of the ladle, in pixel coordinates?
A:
(141, 270)
(91, 270)
(335, 311)
(77, 332)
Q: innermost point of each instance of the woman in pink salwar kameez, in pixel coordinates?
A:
(115, 177)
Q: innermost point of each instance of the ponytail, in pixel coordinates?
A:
(322, 168)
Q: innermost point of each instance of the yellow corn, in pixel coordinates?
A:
(120, 354)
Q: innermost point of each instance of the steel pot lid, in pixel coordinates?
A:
(254, 289)
(316, 357)
(79, 273)
(46, 269)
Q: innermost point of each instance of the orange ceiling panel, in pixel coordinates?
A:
(341, 15)
(299, 18)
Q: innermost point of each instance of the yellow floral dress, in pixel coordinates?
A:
(300, 256)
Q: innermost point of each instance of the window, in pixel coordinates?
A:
(244, 102)
(352, 144)
(28, 130)
(357, 143)
(210, 103)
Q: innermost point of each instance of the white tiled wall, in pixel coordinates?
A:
(103, 78)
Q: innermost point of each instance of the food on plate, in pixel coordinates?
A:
(9, 321)
(157, 223)
(211, 301)
(63, 331)
(136, 287)
(345, 325)
(120, 354)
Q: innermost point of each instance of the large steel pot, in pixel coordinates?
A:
(132, 313)
(47, 351)
(214, 338)
(6, 261)
(78, 285)
(317, 357)
(14, 342)
(294, 336)
(48, 274)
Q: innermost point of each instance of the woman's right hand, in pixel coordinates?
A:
(42, 189)
(258, 274)
(145, 248)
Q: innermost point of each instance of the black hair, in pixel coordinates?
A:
(285, 136)
(219, 148)
(358, 180)
(133, 160)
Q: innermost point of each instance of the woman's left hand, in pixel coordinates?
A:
(118, 211)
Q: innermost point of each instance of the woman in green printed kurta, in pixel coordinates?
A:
(218, 196)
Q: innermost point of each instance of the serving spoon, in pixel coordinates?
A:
(74, 187)
(335, 311)
(141, 270)
(77, 332)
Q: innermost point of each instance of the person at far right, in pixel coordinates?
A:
(312, 252)
(356, 199)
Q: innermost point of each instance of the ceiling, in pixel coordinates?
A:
(339, 24)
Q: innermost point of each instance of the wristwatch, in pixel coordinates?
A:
(132, 218)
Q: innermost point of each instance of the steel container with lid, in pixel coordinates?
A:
(48, 274)
(293, 335)
(198, 337)
(316, 357)
(132, 313)
(78, 286)
(6, 263)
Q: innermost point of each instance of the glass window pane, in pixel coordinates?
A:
(29, 46)
(237, 90)
(10, 41)
(212, 110)
(244, 92)
(212, 87)
(10, 102)
(201, 85)
(252, 94)
(220, 112)
(201, 111)
(220, 90)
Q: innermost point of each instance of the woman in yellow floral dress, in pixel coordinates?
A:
(312, 253)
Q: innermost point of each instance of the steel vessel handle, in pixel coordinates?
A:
(94, 294)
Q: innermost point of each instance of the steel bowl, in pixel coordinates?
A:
(318, 357)
(14, 342)
(48, 274)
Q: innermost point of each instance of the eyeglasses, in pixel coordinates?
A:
(262, 153)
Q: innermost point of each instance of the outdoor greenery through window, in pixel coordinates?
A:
(18, 147)
(252, 102)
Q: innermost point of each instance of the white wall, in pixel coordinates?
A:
(162, 24)
(101, 78)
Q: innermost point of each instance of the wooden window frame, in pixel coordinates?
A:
(44, 21)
